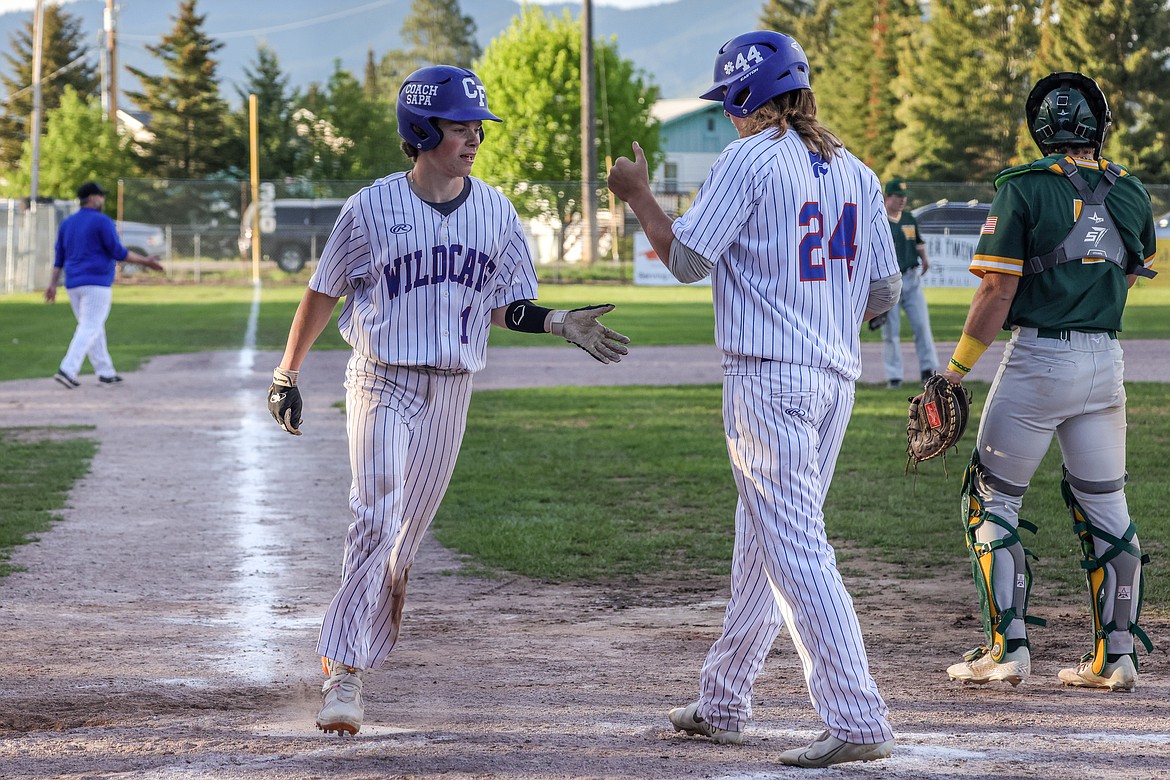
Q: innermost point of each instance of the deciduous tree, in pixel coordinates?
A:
(187, 115)
(535, 155)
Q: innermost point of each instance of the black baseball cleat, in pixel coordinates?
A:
(110, 380)
(65, 380)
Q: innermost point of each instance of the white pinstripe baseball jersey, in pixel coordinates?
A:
(419, 286)
(797, 241)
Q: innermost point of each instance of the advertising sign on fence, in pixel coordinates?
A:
(649, 270)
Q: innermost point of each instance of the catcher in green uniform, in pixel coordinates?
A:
(1064, 241)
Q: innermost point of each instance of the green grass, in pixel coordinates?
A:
(157, 320)
(38, 467)
(624, 484)
(607, 484)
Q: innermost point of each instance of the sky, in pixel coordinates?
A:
(28, 5)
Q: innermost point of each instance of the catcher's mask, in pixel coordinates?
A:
(1067, 108)
(755, 67)
(439, 92)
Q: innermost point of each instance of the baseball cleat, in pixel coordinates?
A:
(65, 380)
(110, 380)
(827, 750)
(689, 720)
(1118, 676)
(978, 667)
(342, 710)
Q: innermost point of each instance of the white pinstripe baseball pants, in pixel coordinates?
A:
(784, 425)
(405, 428)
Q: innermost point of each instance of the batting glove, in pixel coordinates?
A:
(580, 327)
(284, 400)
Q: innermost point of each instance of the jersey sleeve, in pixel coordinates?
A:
(1130, 205)
(346, 255)
(518, 282)
(111, 244)
(722, 205)
(1002, 244)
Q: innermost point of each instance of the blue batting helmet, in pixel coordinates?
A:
(755, 67)
(439, 92)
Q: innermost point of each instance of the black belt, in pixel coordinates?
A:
(1064, 335)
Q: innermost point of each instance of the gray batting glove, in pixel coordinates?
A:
(284, 400)
(580, 327)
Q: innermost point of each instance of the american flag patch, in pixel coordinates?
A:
(988, 226)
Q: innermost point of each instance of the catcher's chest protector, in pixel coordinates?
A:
(1094, 235)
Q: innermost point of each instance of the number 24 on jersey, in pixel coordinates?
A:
(842, 244)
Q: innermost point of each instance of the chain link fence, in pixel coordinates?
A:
(202, 229)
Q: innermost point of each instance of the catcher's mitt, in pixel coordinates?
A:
(936, 419)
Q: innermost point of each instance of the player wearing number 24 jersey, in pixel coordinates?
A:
(427, 261)
(794, 230)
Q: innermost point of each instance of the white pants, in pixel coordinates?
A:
(913, 302)
(784, 427)
(405, 427)
(91, 307)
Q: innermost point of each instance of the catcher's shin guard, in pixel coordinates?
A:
(985, 570)
(1113, 568)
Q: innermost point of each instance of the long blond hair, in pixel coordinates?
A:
(796, 109)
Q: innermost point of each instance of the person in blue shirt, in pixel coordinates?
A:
(88, 251)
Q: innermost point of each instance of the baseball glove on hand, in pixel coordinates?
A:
(580, 327)
(284, 400)
(877, 322)
(936, 419)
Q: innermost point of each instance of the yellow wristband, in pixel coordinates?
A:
(967, 352)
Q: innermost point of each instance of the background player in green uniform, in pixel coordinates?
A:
(1066, 237)
(912, 262)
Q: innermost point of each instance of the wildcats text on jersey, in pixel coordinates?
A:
(447, 263)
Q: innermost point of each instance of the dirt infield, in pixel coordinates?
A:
(166, 627)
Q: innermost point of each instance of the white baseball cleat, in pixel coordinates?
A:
(1118, 676)
(689, 720)
(342, 710)
(978, 667)
(827, 750)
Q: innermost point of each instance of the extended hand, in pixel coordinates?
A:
(580, 327)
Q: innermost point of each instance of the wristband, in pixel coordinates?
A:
(285, 377)
(525, 316)
(966, 354)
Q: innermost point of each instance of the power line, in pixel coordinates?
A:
(280, 27)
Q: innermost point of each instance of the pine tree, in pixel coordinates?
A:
(1123, 45)
(279, 146)
(64, 65)
(854, 90)
(959, 90)
(436, 33)
(187, 114)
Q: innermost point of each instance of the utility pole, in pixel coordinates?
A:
(588, 145)
(111, 63)
(35, 139)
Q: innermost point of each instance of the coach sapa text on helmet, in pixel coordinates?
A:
(755, 67)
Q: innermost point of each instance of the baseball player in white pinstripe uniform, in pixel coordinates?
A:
(426, 262)
(794, 229)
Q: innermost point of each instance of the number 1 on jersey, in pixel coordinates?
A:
(842, 243)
